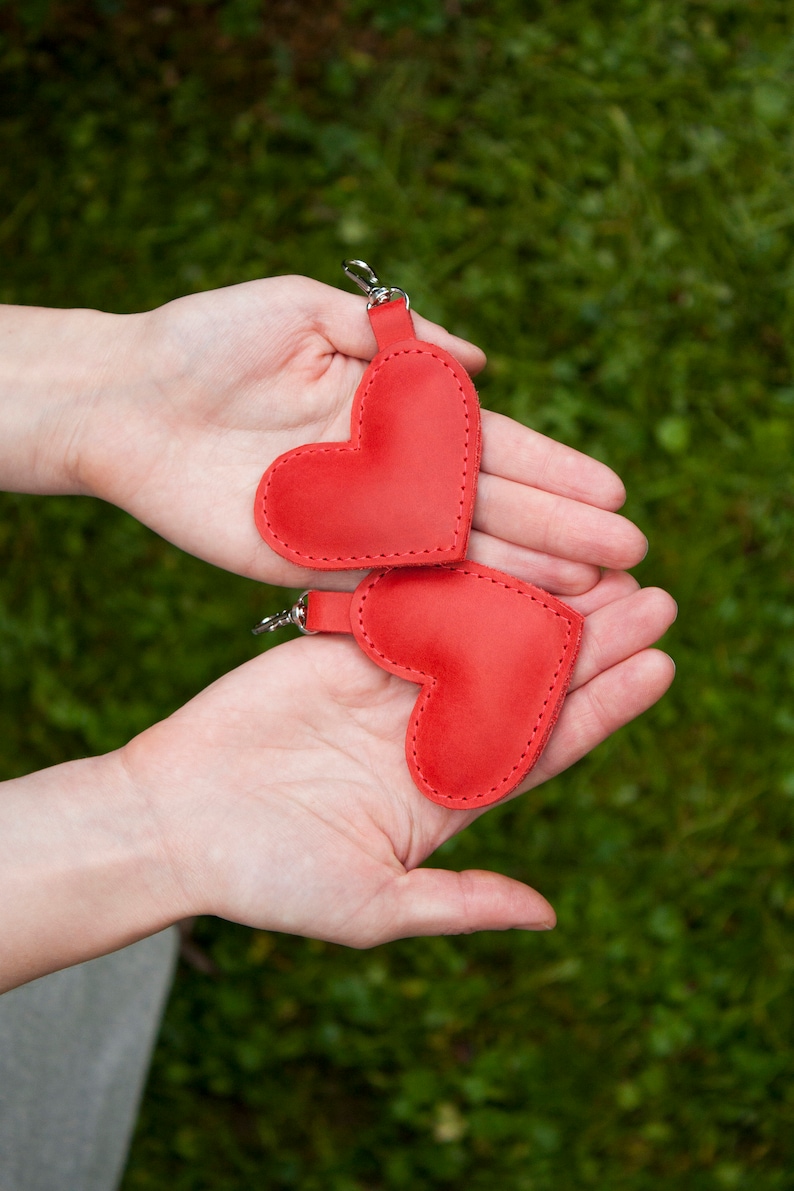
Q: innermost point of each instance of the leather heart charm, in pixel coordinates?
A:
(401, 491)
(493, 656)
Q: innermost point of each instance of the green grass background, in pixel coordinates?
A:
(600, 194)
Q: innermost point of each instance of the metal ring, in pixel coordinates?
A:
(297, 614)
(387, 293)
(367, 280)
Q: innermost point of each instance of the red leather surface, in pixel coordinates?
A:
(494, 657)
(329, 611)
(401, 491)
(390, 322)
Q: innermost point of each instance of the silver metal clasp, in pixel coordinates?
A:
(367, 280)
(296, 615)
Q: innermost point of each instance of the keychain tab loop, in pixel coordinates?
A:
(367, 280)
(326, 611)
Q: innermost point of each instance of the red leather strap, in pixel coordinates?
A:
(391, 322)
(329, 611)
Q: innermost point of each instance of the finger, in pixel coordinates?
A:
(612, 585)
(468, 354)
(437, 902)
(342, 319)
(556, 525)
(517, 453)
(557, 575)
(620, 629)
(600, 707)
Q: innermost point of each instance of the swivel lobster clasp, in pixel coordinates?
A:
(296, 615)
(367, 281)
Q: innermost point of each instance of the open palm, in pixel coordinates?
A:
(215, 386)
(284, 799)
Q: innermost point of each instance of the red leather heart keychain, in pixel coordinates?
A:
(493, 656)
(401, 491)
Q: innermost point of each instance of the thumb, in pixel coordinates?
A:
(430, 901)
(343, 320)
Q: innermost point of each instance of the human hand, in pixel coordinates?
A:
(213, 387)
(283, 799)
(280, 798)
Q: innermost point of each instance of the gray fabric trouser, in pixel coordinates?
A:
(74, 1052)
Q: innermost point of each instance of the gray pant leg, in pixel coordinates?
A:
(74, 1053)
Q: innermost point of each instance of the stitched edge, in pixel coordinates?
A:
(318, 450)
(432, 680)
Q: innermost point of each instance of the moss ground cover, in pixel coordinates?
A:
(600, 194)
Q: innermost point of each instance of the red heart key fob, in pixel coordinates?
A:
(493, 657)
(400, 491)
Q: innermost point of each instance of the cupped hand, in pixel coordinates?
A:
(212, 388)
(283, 799)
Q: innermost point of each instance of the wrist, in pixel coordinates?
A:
(86, 870)
(58, 369)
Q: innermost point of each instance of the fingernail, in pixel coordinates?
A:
(545, 925)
